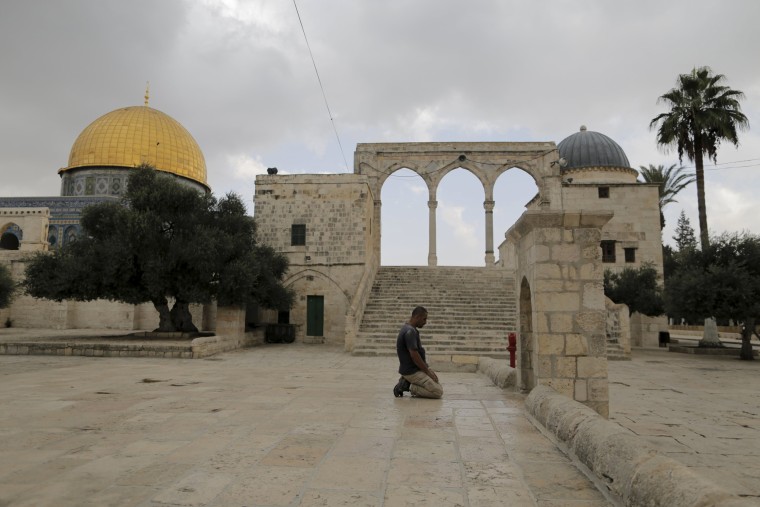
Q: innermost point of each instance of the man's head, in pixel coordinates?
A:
(419, 317)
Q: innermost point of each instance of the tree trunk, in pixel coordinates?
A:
(747, 330)
(704, 237)
(164, 315)
(181, 317)
(710, 335)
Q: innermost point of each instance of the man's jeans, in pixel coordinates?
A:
(423, 386)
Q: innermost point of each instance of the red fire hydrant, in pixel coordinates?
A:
(512, 348)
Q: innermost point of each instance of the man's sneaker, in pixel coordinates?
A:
(398, 389)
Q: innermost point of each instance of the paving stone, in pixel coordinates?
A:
(700, 410)
(245, 429)
(326, 498)
(423, 496)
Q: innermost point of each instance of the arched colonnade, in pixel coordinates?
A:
(486, 161)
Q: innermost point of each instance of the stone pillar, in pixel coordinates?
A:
(230, 322)
(559, 257)
(490, 259)
(432, 257)
(378, 225)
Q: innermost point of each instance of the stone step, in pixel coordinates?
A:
(615, 352)
(437, 342)
(439, 326)
(429, 349)
(471, 310)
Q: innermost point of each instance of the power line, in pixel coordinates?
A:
(324, 96)
(750, 162)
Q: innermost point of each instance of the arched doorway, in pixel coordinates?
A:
(404, 218)
(460, 219)
(10, 237)
(513, 190)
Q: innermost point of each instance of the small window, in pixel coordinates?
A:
(283, 317)
(298, 234)
(604, 192)
(630, 254)
(608, 251)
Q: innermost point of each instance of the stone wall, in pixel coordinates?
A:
(559, 264)
(619, 324)
(635, 223)
(33, 224)
(332, 283)
(645, 331)
(28, 312)
(335, 208)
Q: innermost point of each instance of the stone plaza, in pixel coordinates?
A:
(290, 425)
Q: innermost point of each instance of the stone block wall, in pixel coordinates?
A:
(559, 264)
(28, 312)
(335, 208)
(337, 212)
(645, 331)
(635, 223)
(33, 223)
(619, 324)
(335, 284)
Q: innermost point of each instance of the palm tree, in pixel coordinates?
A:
(671, 181)
(703, 112)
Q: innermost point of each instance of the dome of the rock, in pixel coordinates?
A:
(131, 136)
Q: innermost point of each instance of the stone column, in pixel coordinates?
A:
(490, 259)
(432, 257)
(559, 258)
(378, 225)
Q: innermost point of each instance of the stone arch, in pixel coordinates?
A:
(305, 273)
(70, 234)
(10, 236)
(313, 282)
(382, 176)
(432, 161)
(53, 236)
(526, 346)
(462, 235)
(406, 197)
(511, 198)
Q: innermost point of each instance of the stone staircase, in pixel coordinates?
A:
(470, 312)
(615, 352)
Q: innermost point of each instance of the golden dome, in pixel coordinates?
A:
(131, 136)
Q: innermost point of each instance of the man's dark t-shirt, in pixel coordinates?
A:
(408, 338)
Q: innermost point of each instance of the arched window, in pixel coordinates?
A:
(53, 236)
(10, 237)
(70, 234)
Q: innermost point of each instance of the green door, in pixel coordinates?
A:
(315, 315)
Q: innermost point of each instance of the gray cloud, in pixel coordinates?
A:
(238, 76)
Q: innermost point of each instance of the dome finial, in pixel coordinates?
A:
(147, 93)
(583, 127)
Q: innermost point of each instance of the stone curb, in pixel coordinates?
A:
(498, 371)
(629, 467)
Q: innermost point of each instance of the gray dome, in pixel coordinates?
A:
(591, 149)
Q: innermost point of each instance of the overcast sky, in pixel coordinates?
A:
(239, 77)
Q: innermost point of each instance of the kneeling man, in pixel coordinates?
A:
(416, 376)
